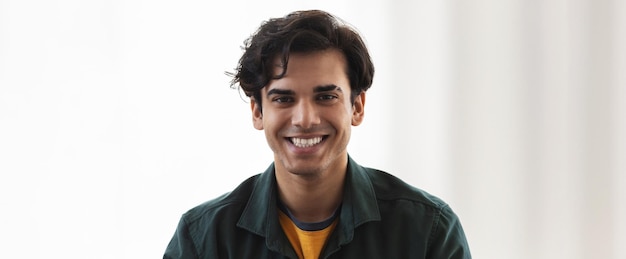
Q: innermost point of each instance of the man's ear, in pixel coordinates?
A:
(358, 109)
(257, 114)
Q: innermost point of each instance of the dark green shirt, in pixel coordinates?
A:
(381, 217)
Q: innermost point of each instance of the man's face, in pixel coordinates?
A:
(307, 115)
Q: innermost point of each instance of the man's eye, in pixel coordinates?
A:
(326, 97)
(282, 99)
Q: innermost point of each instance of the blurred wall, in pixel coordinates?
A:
(538, 131)
(116, 117)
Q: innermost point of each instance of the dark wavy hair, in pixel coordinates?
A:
(300, 32)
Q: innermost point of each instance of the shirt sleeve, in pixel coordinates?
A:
(181, 246)
(447, 240)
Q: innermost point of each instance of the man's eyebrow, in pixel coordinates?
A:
(317, 89)
(326, 88)
(279, 92)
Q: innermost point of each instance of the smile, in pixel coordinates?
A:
(306, 142)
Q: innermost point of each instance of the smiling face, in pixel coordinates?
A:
(307, 115)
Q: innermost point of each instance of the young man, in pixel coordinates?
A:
(306, 75)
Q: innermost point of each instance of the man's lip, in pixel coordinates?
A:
(307, 136)
(289, 138)
(306, 141)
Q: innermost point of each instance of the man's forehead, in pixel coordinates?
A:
(310, 72)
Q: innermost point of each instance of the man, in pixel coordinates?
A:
(306, 75)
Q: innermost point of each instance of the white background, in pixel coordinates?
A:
(116, 117)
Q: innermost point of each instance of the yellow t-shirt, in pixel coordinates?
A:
(307, 244)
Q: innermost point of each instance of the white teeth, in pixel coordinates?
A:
(306, 142)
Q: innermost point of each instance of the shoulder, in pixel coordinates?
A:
(231, 203)
(400, 200)
(199, 227)
(391, 188)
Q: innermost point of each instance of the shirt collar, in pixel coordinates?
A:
(359, 205)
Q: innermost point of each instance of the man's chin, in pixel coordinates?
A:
(310, 169)
(303, 168)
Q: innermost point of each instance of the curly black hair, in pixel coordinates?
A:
(300, 32)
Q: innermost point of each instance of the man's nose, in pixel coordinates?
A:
(305, 114)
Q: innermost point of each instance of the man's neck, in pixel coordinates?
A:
(311, 198)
